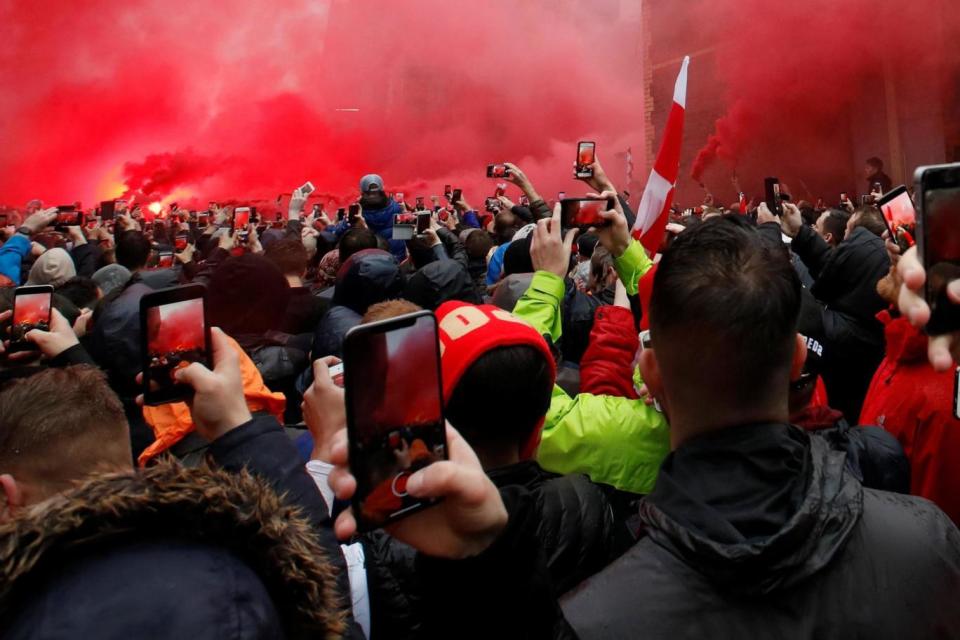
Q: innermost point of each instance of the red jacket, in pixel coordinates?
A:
(915, 404)
(606, 368)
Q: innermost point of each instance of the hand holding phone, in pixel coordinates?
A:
(395, 428)
(324, 409)
(468, 517)
(584, 213)
(938, 242)
(31, 310)
(771, 190)
(497, 171)
(174, 333)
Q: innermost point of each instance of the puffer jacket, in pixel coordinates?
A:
(914, 403)
(575, 524)
(760, 531)
(168, 552)
(367, 277)
(439, 282)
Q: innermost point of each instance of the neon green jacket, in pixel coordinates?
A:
(614, 440)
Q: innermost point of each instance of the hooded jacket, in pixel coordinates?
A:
(167, 552)
(380, 221)
(759, 531)
(54, 267)
(366, 278)
(914, 403)
(438, 282)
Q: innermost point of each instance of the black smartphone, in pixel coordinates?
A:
(107, 209)
(584, 213)
(447, 191)
(31, 310)
(586, 155)
(938, 243)
(203, 219)
(423, 222)
(899, 216)
(181, 241)
(341, 214)
(497, 171)
(457, 194)
(164, 260)
(395, 422)
(174, 333)
(771, 191)
(68, 216)
(354, 213)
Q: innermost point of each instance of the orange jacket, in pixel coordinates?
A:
(171, 422)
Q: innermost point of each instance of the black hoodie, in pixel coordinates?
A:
(760, 531)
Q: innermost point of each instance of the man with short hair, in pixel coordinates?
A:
(832, 226)
(755, 528)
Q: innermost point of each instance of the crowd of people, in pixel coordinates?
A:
(744, 434)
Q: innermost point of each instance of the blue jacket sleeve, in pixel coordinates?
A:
(496, 264)
(471, 220)
(11, 255)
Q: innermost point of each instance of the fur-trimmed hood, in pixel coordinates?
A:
(236, 512)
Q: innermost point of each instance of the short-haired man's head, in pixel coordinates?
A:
(132, 250)
(724, 311)
(832, 225)
(289, 255)
(502, 397)
(388, 309)
(60, 425)
(354, 240)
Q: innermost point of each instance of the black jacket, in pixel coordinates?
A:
(571, 519)
(439, 282)
(304, 311)
(367, 277)
(760, 531)
(845, 282)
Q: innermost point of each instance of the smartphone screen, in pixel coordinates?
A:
(174, 335)
(336, 374)
(307, 188)
(31, 310)
(939, 189)
(771, 189)
(241, 218)
(897, 208)
(354, 211)
(457, 194)
(497, 171)
(394, 412)
(180, 242)
(165, 260)
(68, 216)
(586, 155)
(583, 213)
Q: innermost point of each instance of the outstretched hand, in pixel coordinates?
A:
(615, 235)
(468, 519)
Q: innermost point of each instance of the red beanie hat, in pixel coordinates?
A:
(468, 331)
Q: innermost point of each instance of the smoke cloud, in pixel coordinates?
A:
(247, 99)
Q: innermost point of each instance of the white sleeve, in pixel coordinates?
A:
(352, 553)
(320, 472)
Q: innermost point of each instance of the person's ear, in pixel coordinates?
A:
(828, 237)
(799, 358)
(12, 497)
(650, 372)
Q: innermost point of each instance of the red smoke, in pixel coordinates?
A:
(180, 329)
(801, 78)
(245, 99)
